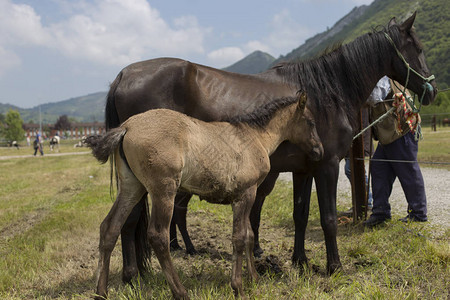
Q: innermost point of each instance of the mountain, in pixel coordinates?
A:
(432, 24)
(87, 108)
(253, 63)
(320, 41)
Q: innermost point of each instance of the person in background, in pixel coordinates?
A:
(433, 123)
(384, 172)
(38, 144)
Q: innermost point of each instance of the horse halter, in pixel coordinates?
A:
(426, 86)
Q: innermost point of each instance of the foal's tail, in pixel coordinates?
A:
(103, 146)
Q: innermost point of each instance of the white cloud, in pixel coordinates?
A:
(226, 56)
(256, 45)
(20, 25)
(284, 35)
(119, 32)
(109, 32)
(355, 2)
(360, 2)
(8, 60)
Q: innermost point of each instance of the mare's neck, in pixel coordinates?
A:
(344, 78)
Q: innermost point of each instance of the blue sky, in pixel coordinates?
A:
(52, 50)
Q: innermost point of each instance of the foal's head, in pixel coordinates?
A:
(303, 130)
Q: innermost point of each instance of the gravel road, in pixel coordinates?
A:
(437, 188)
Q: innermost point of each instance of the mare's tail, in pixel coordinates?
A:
(103, 146)
(111, 116)
(134, 230)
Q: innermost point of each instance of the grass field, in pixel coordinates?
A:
(51, 208)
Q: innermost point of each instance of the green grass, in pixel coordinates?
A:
(66, 146)
(435, 147)
(51, 208)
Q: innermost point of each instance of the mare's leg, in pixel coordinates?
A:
(263, 191)
(130, 192)
(128, 235)
(326, 182)
(163, 197)
(242, 239)
(302, 198)
(179, 219)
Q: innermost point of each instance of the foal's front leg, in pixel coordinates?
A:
(242, 239)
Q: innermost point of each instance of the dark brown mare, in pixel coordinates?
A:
(337, 85)
(162, 151)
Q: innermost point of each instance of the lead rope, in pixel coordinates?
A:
(375, 122)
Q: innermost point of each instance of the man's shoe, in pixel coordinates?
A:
(375, 220)
(412, 218)
(347, 213)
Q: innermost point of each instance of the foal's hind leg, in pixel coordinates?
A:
(130, 192)
(242, 239)
(163, 195)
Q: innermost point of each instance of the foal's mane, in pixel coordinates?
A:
(263, 114)
(334, 79)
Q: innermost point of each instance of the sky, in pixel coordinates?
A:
(54, 50)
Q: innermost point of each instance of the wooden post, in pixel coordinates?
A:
(358, 180)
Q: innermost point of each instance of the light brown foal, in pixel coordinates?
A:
(162, 151)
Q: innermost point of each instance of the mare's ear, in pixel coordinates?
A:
(302, 101)
(392, 22)
(407, 25)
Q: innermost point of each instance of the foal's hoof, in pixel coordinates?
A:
(98, 297)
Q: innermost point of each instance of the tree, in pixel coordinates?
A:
(2, 124)
(13, 126)
(63, 123)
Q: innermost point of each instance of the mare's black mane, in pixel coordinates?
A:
(263, 114)
(333, 80)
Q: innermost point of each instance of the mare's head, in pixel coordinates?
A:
(404, 38)
(303, 130)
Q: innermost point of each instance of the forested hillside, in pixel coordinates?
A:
(432, 25)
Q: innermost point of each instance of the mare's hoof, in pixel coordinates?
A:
(192, 251)
(257, 251)
(333, 268)
(175, 247)
(127, 276)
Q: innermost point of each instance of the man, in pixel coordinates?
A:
(384, 171)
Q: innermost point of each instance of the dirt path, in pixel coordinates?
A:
(437, 188)
(45, 155)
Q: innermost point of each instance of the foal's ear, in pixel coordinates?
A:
(407, 25)
(302, 100)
